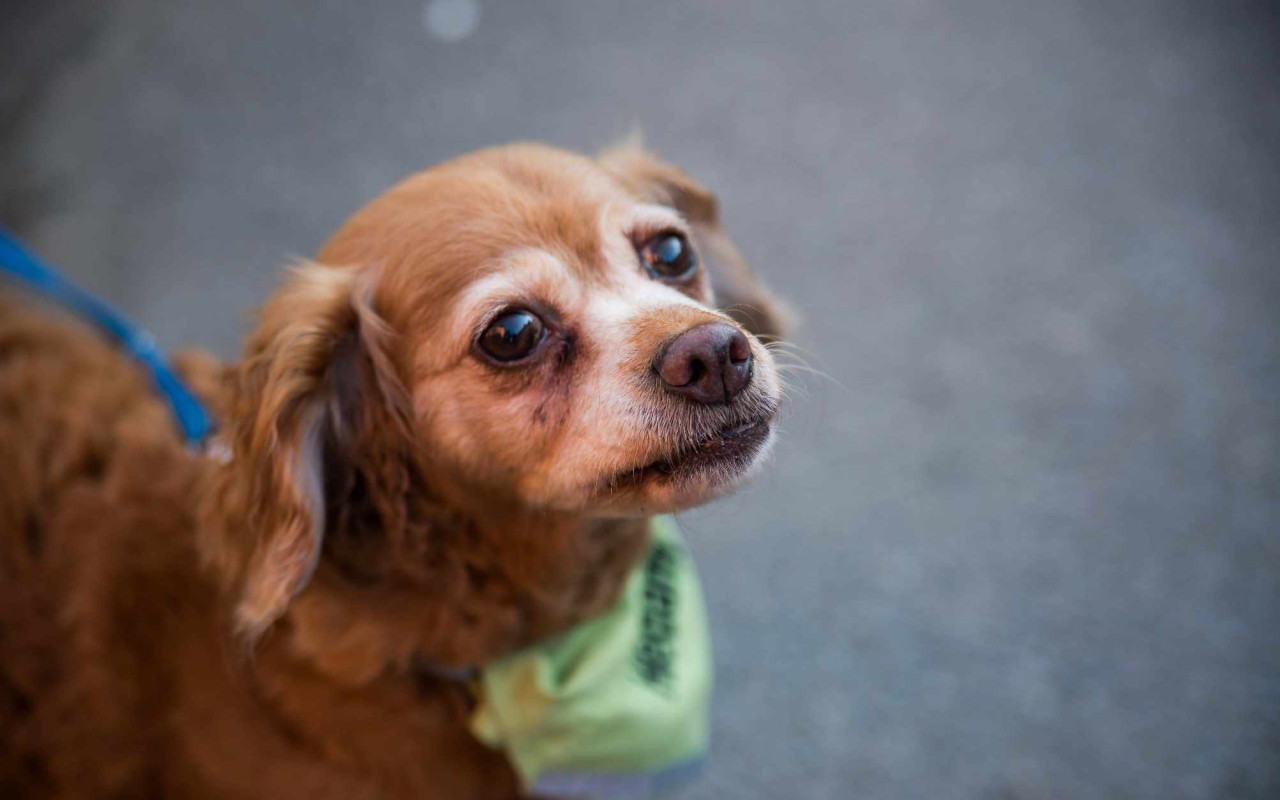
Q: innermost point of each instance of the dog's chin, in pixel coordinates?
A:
(690, 475)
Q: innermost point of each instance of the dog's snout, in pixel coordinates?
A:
(709, 364)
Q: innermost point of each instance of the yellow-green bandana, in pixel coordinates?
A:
(617, 706)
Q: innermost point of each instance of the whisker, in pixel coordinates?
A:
(788, 354)
(744, 309)
(791, 360)
(786, 345)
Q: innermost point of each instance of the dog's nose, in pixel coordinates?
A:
(709, 363)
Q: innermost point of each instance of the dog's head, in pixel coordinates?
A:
(517, 333)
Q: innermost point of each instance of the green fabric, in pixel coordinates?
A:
(623, 694)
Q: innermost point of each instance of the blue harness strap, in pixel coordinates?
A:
(191, 414)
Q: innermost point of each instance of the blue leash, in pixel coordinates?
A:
(191, 414)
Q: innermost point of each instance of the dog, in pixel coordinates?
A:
(442, 444)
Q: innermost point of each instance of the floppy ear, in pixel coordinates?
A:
(738, 290)
(318, 357)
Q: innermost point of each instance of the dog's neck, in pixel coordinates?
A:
(474, 593)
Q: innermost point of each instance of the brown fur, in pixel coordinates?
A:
(279, 625)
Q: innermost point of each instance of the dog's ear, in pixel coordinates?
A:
(738, 290)
(316, 363)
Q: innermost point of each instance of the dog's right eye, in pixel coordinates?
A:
(512, 336)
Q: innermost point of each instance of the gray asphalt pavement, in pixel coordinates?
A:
(1023, 541)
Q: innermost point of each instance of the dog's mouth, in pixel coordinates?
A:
(728, 452)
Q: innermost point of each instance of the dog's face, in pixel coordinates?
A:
(559, 337)
(515, 336)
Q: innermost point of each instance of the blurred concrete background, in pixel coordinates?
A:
(1023, 542)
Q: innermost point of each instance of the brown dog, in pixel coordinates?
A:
(443, 446)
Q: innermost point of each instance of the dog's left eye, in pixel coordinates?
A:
(512, 336)
(668, 255)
